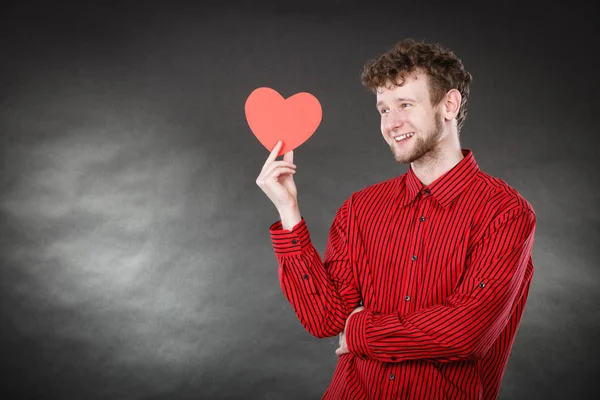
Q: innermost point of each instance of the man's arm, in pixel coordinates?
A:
(468, 322)
(322, 293)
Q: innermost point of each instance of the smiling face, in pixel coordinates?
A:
(406, 110)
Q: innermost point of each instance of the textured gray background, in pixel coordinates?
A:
(135, 256)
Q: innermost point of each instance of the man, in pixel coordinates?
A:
(425, 275)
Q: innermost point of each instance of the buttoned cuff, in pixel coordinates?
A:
(289, 242)
(356, 340)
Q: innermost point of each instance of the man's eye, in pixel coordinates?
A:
(384, 111)
(405, 104)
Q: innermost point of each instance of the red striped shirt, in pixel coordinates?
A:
(443, 272)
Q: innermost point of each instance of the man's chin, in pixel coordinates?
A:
(402, 158)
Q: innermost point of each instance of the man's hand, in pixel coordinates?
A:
(277, 179)
(343, 349)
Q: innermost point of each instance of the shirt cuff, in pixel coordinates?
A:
(289, 242)
(356, 340)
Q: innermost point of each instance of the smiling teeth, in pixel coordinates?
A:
(407, 135)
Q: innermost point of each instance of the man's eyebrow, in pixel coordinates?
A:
(398, 100)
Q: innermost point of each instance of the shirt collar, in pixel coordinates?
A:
(445, 188)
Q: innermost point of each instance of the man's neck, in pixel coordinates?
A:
(436, 163)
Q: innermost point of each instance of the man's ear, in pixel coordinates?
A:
(451, 104)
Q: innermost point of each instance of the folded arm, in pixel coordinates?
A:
(322, 292)
(468, 322)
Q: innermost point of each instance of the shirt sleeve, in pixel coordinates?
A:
(469, 321)
(322, 292)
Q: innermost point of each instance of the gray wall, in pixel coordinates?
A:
(135, 256)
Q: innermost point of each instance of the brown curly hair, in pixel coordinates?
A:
(444, 68)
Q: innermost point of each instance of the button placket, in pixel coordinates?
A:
(416, 248)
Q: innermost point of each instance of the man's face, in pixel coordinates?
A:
(407, 109)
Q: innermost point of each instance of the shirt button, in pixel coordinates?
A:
(393, 358)
(422, 219)
(294, 241)
(481, 284)
(305, 276)
(414, 257)
(407, 298)
(363, 355)
(391, 376)
(427, 191)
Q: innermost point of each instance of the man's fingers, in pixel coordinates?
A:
(274, 152)
(357, 309)
(289, 156)
(339, 351)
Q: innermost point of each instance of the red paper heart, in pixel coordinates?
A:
(272, 118)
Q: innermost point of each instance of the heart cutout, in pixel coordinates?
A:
(272, 118)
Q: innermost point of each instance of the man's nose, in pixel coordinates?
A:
(394, 120)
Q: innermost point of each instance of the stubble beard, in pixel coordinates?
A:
(422, 146)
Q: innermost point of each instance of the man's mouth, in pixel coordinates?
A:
(404, 136)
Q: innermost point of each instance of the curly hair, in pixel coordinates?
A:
(444, 68)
